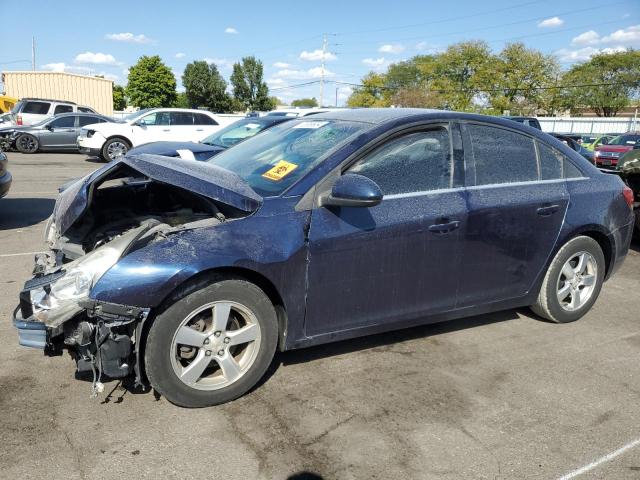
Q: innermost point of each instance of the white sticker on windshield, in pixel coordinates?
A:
(252, 125)
(310, 124)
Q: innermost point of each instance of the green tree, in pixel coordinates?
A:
(182, 101)
(462, 72)
(305, 102)
(620, 71)
(519, 77)
(205, 87)
(151, 84)
(372, 93)
(248, 85)
(119, 101)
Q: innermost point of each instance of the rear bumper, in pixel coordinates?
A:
(5, 184)
(621, 239)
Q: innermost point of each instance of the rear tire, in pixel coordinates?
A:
(114, 148)
(27, 143)
(212, 345)
(573, 281)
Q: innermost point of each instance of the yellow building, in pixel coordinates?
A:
(93, 92)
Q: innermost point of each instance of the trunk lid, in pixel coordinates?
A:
(205, 179)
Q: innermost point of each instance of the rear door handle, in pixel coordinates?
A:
(166, 130)
(200, 130)
(444, 227)
(547, 210)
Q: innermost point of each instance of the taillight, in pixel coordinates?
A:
(19, 120)
(627, 193)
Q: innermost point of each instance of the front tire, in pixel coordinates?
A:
(27, 143)
(213, 345)
(573, 281)
(114, 148)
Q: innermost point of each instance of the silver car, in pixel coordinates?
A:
(55, 133)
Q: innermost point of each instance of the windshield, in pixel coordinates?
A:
(273, 161)
(133, 115)
(626, 140)
(235, 133)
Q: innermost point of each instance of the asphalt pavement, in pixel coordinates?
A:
(501, 396)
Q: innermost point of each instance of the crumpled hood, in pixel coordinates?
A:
(202, 178)
(201, 151)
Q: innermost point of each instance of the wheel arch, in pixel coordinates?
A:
(120, 136)
(207, 277)
(603, 239)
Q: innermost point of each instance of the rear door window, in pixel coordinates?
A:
(38, 108)
(181, 118)
(502, 156)
(89, 120)
(550, 162)
(63, 109)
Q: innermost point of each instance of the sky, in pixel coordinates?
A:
(106, 38)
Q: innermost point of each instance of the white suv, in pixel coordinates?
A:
(29, 111)
(113, 140)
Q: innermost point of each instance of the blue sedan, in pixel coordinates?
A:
(189, 275)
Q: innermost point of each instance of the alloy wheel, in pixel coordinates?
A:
(215, 345)
(116, 149)
(577, 281)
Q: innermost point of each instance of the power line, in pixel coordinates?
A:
(444, 20)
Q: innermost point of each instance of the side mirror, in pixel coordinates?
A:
(352, 190)
(49, 127)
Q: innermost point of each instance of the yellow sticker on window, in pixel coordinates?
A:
(281, 170)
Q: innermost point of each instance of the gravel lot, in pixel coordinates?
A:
(498, 396)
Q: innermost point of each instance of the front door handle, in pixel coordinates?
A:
(444, 227)
(547, 210)
(166, 130)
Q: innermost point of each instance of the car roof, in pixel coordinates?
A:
(47, 100)
(82, 114)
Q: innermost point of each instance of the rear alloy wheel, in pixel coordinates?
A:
(27, 143)
(573, 281)
(212, 345)
(114, 149)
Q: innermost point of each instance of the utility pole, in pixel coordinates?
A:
(33, 53)
(324, 52)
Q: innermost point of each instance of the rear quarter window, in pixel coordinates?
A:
(202, 119)
(37, 108)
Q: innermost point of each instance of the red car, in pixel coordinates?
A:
(606, 156)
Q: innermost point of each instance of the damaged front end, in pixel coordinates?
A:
(122, 207)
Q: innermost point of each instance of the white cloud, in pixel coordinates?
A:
(626, 36)
(583, 54)
(276, 82)
(220, 62)
(551, 22)
(310, 74)
(63, 67)
(231, 30)
(281, 65)
(180, 55)
(54, 67)
(374, 62)
(391, 48)
(317, 55)
(587, 38)
(128, 37)
(421, 45)
(96, 58)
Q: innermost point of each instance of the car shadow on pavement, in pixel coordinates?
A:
(94, 160)
(396, 336)
(635, 245)
(24, 212)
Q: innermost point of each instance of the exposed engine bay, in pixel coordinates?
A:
(122, 211)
